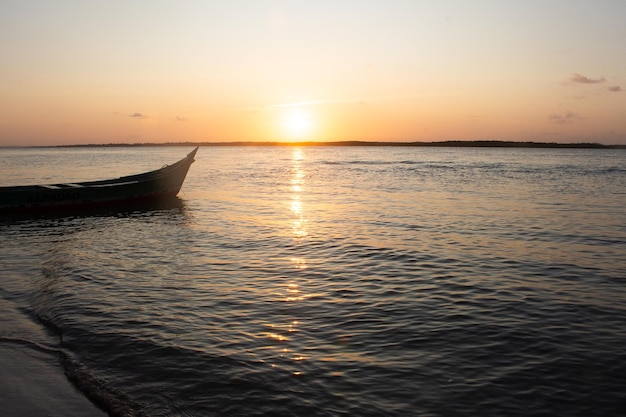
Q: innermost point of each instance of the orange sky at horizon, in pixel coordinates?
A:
(270, 70)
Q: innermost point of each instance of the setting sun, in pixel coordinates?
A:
(418, 71)
(297, 123)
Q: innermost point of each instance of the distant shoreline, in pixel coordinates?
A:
(449, 143)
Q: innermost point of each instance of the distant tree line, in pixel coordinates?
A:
(447, 143)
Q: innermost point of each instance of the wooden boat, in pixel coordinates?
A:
(150, 187)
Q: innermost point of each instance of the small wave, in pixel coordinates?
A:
(98, 391)
(30, 344)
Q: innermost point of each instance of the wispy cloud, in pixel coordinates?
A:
(298, 104)
(303, 103)
(576, 97)
(181, 119)
(579, 79)
(582, 79)
(138, 115)
(568, 116)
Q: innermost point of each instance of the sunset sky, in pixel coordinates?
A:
(252, 70)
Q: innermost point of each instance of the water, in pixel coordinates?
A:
(330, 281)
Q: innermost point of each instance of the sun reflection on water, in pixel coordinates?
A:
(297, 186)
(299, 263)
(291, 292)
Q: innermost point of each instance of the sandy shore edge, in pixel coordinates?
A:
(32, 383)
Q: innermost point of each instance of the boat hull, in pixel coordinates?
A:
(155, 186)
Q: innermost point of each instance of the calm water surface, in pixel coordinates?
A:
(332, 282)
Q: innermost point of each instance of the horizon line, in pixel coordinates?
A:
(446, 143)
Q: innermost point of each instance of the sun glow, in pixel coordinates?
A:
(297, 123)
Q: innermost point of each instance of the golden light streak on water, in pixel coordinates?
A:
(297, 182)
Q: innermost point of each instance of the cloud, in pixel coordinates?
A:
(567, 117)
(576, 97)
(302, 103)
(138, 115)
(615, 89)
(581, 79)
(181, 119)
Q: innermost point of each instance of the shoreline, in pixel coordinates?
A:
(33, 384)
(449, 143)
(33, 380)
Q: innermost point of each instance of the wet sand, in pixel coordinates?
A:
(32, 383)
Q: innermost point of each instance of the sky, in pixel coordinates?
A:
(132, 71)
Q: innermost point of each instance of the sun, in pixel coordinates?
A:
(297, 123)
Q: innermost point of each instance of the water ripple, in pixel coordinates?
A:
(428, 282)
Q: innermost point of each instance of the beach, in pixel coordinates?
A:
(32, 380)
(34, 384)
